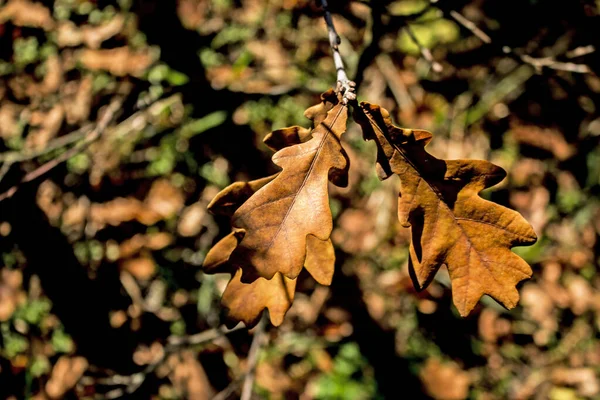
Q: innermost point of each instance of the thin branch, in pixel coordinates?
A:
(228, 391)
(398, 88)
(255, 347)
(55, 144)
(174, 343)
(200, 338)
(580, 51)
(535, 62)
(105, 119)
(470, 25)
(344, 85)
(550, 62)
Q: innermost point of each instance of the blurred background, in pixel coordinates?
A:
(120, 120)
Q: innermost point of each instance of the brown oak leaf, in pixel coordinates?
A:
(246, 301)
(320, 255)
(278, 218)
(451, 224)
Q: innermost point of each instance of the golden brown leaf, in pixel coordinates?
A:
(286, 137)
(451, 224)
(217, 257)
(229, 199)
(280, 215)
(320, 259)
(318, 112)
(246, 301)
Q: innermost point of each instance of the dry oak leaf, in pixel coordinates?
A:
(320, 254)
(64, 376)
(278, 218)
(451, 224)
(445, 381)
(246, 301)
(70, 35)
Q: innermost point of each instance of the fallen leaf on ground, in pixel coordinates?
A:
(79, 103)
(27, 13)
(444, 381)
(66, 373)
(142, 268)
(120, 61)
(49, 124)
(69, 35)
(188, 377)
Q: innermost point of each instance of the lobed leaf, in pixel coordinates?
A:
(244, 300)
(450, 224)
(279, 216)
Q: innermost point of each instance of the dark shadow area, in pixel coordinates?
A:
(393, 374)
(81, 304)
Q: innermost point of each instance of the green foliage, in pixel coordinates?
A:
(429, 34)
(33, 311)
(61, 341)
(350, 378)
(40, 366)
(26, 51)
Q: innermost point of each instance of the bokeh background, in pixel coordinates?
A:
(154, 106)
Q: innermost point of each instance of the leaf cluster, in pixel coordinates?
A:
(282, 223)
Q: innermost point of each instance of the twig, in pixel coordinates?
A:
(5, 168)
(425, 52)
(535, 62)
(55, 144)
(225, 393)
(392, 77)
(580, 51)
(379, 28)
(200, 338)
(174, 343)
(148, 110)
(470, 25)
(344, 85)
(103, 122)
(550, 62)
(257, 342)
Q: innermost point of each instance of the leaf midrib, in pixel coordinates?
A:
(308, 172)
(440, 198)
